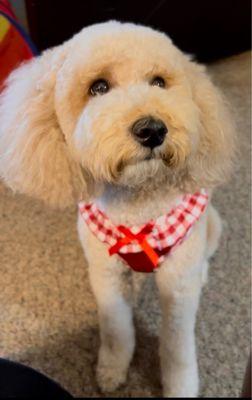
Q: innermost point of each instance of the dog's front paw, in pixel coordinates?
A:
(180, 393)
(109, 378)
(111, 371)
(181, 383)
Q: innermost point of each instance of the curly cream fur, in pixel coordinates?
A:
(59, 144)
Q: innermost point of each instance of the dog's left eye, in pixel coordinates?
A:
(101, 86)
(158, 81)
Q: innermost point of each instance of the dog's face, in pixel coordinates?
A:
(118, 103)
(127, 106)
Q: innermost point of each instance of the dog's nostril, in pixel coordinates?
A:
(150, 132)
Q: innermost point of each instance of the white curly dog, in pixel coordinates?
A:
(119, 118)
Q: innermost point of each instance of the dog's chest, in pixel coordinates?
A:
(139, 210)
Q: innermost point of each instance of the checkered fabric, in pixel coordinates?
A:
(167, 231)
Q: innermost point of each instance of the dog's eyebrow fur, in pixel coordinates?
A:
(95, 73)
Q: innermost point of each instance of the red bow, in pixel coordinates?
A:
(140, 237)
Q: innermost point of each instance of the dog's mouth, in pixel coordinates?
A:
(165, 158)
(151, 157)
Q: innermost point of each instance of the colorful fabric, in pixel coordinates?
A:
(143, 247)
(15, 45)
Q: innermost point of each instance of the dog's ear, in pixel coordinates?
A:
(34, 157)
(213, 161)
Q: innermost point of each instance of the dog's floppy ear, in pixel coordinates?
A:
(213, 161)
(34, 157)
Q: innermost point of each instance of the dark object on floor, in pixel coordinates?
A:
(18, 381)
(246, 390)
(209, 29)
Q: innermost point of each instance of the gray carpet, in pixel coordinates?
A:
(48, 317)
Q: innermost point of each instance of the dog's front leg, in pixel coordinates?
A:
(179, 298)
(116, 326)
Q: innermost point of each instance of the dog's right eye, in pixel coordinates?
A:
(101, 86)
(158, 81)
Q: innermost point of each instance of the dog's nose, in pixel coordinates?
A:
(149, 132)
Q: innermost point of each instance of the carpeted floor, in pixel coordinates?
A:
(48, 317)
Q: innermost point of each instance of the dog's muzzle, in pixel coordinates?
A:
(149, 132)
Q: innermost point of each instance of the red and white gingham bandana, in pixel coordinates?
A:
(143, 247)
